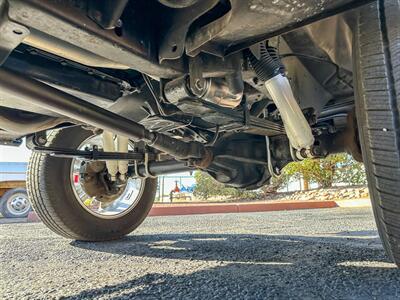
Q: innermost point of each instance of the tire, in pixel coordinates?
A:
(377, 71)
(53, 199)
(23, 207)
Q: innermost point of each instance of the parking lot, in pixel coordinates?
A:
(322, 253)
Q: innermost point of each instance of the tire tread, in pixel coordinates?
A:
(71, 220)
(378, 38)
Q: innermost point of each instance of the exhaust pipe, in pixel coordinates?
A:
(40, 94)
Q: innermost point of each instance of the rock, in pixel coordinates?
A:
(336, 193)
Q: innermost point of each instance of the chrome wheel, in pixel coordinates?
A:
(122, 202)
(18, 204)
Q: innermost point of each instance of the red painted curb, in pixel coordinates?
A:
(218, 208)
(32, 217)
(191, 209)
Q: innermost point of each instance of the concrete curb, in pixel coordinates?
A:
(363, 202)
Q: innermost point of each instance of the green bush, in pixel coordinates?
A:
(336, 168)
(207, 187)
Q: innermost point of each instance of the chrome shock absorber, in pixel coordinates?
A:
(115, 167)
(269, 69)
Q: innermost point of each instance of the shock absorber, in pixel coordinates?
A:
(269, 69)
(115, 166)
(109, 146)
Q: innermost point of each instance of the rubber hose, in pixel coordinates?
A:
(269, 64)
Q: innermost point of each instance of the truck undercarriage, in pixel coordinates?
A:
(185, 77)
(113, 91)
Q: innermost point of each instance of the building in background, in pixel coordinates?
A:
(14, 154)
(185, 183)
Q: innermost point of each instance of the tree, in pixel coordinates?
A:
(207, 187)
(336, 168)
(350, 172)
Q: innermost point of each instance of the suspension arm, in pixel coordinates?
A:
(93, 154)
(40, 94)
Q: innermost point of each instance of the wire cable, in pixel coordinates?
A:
(153, 93)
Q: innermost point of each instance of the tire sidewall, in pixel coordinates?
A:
(4, 199)
(57, 183)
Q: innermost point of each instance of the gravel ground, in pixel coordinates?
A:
(328, 253)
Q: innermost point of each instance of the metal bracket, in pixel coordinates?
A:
(173, 43)
(37, 139)
(11, 33)
(106, 13)
(271, 169)
(200, 38)
(147, 173)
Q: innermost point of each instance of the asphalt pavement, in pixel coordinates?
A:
(317, 254)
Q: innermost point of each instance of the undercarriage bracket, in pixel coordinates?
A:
(173, 43)
(11, 33)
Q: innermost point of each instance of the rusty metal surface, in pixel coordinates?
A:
(244, 24)
(257, 20)
(11, 33)
(205, 34)
(173, 42)
(70, 25)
